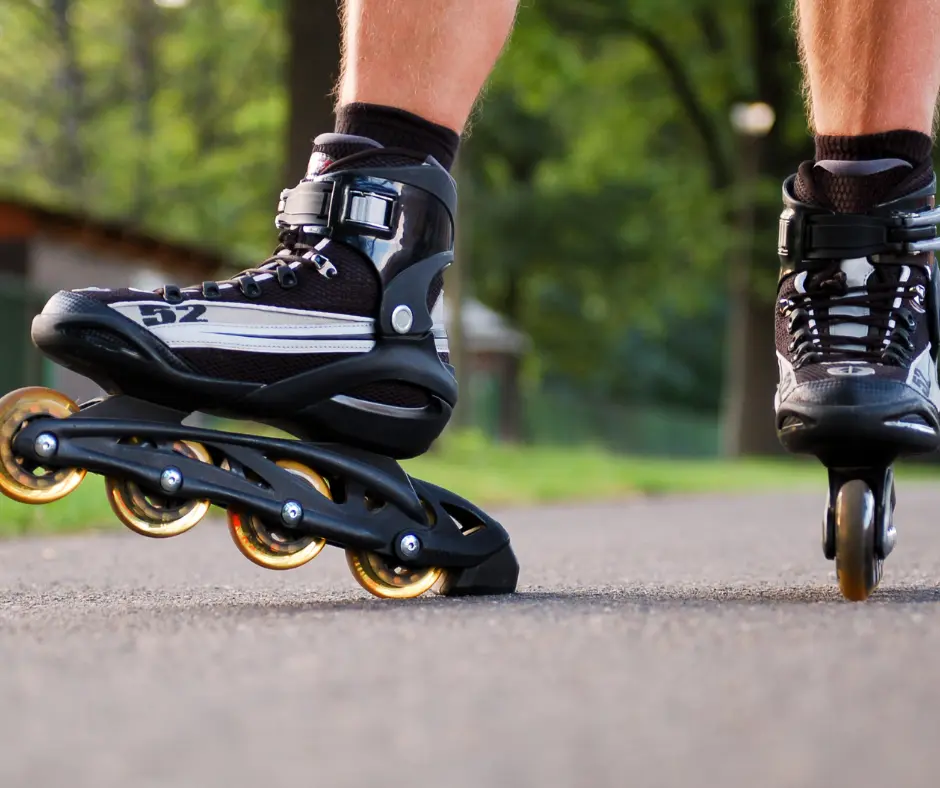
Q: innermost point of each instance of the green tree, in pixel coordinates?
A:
(606, 164)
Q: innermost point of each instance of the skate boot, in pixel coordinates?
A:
(336, 339)
(857, 334)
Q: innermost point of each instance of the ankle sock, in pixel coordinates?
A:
(364, 128)
(854, 174)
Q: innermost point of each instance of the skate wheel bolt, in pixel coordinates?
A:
(171, 479)
(292, 512)
(402, 319)
(46, 445)
(409, 546)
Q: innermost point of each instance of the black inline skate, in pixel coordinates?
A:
(331, 340)
(858, 330)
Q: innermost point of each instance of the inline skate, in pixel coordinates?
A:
(336, 339)
(857, 331)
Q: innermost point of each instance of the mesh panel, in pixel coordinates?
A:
(379, 160)
(267, 368)
(858, 194)
(353, 291)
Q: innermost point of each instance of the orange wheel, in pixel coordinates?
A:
(24, 480)
(388, 581)
(273, 546)
(155, 514)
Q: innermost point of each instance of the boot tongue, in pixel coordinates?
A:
(330, 148)
(853, 273)
(851, 186)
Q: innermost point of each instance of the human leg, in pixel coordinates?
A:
(429, 57)
(857, 311)
(870, 64)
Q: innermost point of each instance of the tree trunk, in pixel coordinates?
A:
(143, 35)
(510, 405)
(313, 66)
(749, 421)
(757, 435)
(750, 360)
(71, 174)
(511, 428)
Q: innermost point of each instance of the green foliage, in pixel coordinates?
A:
(172, 118)
(602, 174)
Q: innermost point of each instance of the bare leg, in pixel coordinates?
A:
(871, 65)
(428, 57)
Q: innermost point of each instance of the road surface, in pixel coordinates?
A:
(691, 641)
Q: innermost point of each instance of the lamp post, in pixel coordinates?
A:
(751, 123)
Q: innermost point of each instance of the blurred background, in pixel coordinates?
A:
(619, 184)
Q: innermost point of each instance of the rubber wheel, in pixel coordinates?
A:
(385, 580)
(23, 480)
(858, 567)
(157, 515)
(273, 546)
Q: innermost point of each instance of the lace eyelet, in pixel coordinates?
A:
(286, 277)
(172, 294)
(249, 287)
(211, 290)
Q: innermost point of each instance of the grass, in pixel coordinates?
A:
(499, 475)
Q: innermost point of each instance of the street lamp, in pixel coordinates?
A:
(753, 120)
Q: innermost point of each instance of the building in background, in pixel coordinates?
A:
(42, 251)
(489, 382)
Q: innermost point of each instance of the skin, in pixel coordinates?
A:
(871, 65)
(429, 57)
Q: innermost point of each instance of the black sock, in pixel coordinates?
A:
(360, 128)
(395, 128)
(854, 174)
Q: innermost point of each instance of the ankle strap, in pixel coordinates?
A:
(808, 232)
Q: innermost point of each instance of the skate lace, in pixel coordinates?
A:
(283, 264)
(810, 320)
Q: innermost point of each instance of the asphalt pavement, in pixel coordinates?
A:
(688, 641)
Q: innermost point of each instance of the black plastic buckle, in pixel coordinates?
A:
(308, 203)
(324, 206)
(810, 235)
